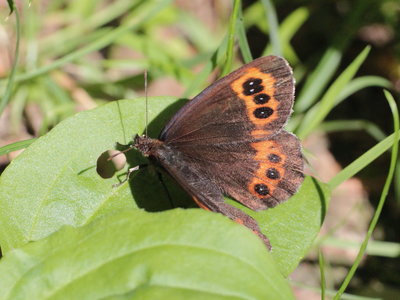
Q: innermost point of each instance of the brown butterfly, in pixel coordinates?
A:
(229, 140)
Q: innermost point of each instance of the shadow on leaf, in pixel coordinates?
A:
(152, 188)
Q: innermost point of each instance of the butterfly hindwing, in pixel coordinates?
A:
(259, 174)
(279, 170)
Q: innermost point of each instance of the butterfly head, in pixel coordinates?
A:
(145, 144)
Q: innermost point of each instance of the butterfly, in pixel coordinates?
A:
(229, 140)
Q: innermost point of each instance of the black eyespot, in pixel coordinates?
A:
(274, 158)
(251, 82)
(252, 86)
(263, 112)
(273, 173)
(261, 189)
(261, 98)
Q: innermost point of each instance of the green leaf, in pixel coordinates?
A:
(292, 226)
(55, 183)
(168, 255)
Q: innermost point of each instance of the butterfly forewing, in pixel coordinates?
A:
(252, 102)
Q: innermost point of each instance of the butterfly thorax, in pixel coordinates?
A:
(146, 145)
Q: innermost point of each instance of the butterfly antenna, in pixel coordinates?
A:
(145, 93)
(119, 153)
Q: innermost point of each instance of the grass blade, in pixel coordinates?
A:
(362, 82)
(11, 5)
(231, 38)
(11, 79)
(289, 26)
(329, 63)
(15, 146)
(54, 43)
(212, 62)
(397, 183)
(345, 125)
(375, 248)
(242, 39)
(96, 45)
(318, 79)
(395, 147)
(273, 25)
(364, 160)
(315, 116)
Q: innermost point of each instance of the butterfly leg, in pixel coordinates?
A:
(128, 174)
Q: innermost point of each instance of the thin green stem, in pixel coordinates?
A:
(231, 38)
(11, 79)
(322, 273)
(243, 43)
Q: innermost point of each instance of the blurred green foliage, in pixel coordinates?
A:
(75, 55)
